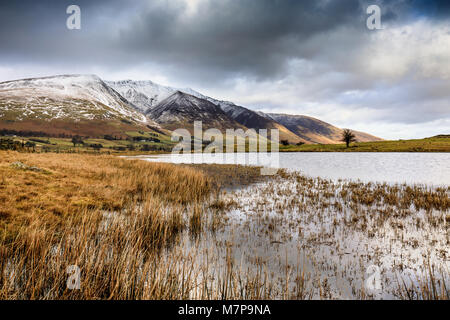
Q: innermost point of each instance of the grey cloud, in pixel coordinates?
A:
(228, 40)
(223, 39)
(237, 37)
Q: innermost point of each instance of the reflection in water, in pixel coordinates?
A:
(297, 237)
(418, 168)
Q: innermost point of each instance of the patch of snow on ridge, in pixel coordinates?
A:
(70, 90)
(146, 95)
(143, 94)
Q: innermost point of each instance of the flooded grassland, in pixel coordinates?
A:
(296, 237)
(140, 230)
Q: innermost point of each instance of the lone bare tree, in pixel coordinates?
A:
(348, 137)
(77, 140)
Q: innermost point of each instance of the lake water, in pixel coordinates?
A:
(419, 168)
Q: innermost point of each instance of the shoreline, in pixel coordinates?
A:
(353, 167)
(435, 144)
(286, 236)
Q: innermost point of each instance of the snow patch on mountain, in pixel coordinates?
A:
(183, 108)
(66, 96)
(145, 95)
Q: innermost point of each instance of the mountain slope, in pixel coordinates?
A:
(145, 95)
(252, 119)
(86, 105)
(180, 110)
(316, 131)
(68, 104)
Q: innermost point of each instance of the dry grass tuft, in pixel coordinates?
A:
(142, 230)
(109, 216)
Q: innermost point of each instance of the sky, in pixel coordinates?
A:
(316, 58)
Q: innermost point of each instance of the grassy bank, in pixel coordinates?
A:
(104, 214)
(434, 144)
(165, 145)
(142, 230)
(111, 217)
(135, 143)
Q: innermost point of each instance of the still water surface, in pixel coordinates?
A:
(420, 168)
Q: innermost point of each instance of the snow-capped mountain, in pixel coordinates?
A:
(146, 95)
(87, 104)
(73, 97)
(69, 104)
(143, 94)
(182, 109)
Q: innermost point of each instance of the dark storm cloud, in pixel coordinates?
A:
(253, 38)
(245, 37)
(407, 9)
(322, 46)
(435, 9)
(221, 39)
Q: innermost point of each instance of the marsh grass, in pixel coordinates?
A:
(229, 176)
(120, 221)
(140, 230)
(430, 285)
(109, 216)
(341, 228)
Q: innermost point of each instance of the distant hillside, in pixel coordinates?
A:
(439, 143)
(316, 131)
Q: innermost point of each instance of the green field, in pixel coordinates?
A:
(137, 142)
(133, 145)
(439, 143)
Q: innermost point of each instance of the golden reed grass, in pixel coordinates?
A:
(121, 222)
(111, 217)
(118, 221)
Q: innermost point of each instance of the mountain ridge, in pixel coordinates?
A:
(83, 98)
(69, 104)
(182, 108)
